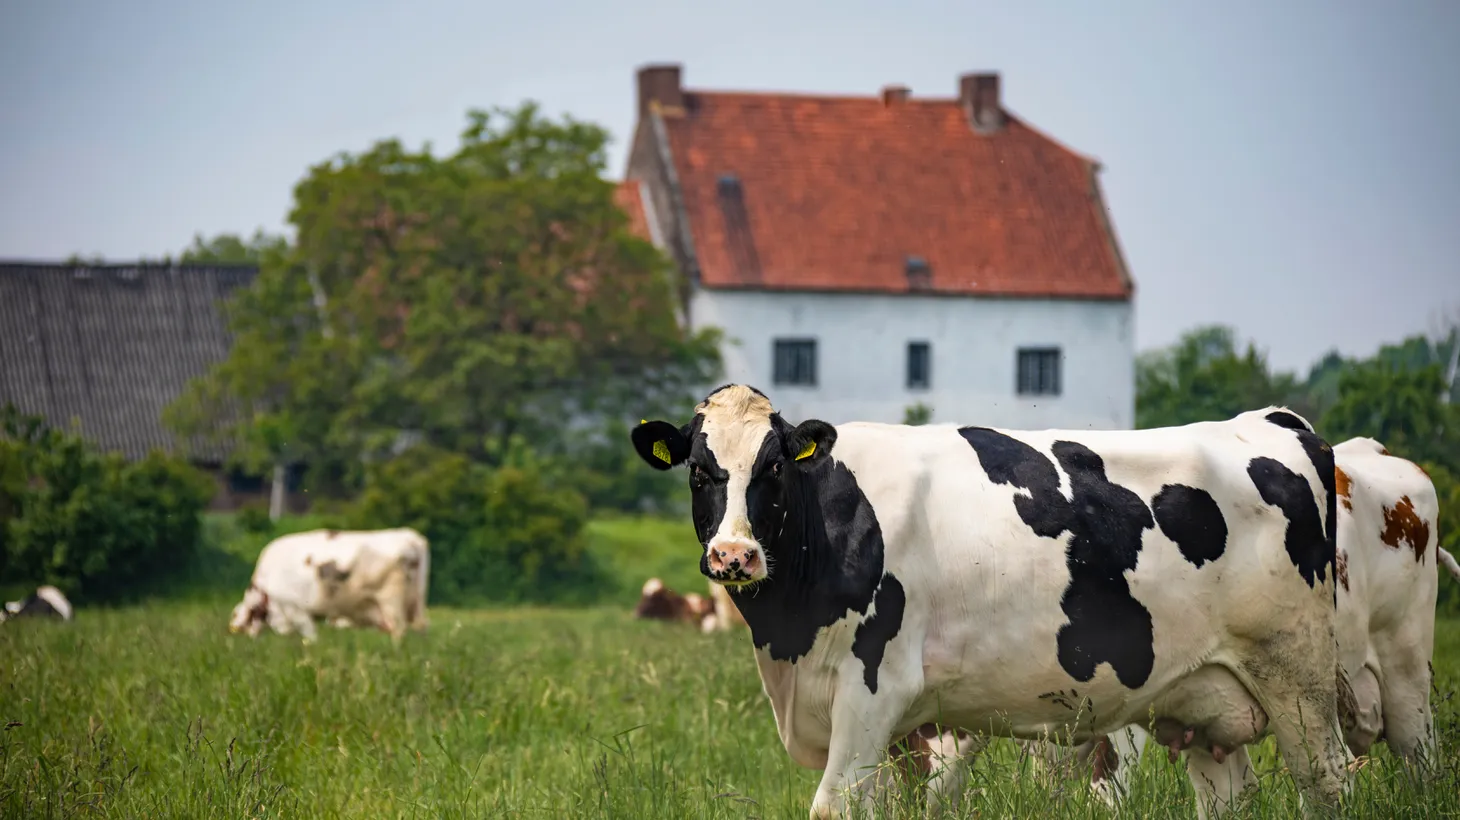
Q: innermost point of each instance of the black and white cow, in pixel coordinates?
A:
(1021, 583)
(1388, 571)
(45, 602)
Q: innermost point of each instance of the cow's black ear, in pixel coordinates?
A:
(660, 444)
(811, 440)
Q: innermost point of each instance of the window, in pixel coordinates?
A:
(796, 361)
(1039, 371)
(919, 365)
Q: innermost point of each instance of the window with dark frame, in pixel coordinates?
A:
(795, 362)
(1039, 371)
(919, 365)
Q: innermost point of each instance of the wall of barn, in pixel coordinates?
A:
(861, 354)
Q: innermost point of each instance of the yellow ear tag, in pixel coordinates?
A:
(643, 421)
(806, 451)
(661, 449)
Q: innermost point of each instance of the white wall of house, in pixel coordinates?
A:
(862, 359)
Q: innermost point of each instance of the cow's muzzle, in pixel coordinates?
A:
(734, 563)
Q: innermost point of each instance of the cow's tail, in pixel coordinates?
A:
(1448, 562)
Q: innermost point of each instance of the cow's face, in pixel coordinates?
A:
(251, 613)
(743, 459)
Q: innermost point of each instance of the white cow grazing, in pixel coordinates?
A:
(1022, 582)
(1388, 552)
(368, 578)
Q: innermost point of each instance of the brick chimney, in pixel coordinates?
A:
(659, 83)
(979, 96)
(919, 275)
(894, 94)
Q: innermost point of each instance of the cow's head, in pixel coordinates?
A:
(746, 464)
(251, 613)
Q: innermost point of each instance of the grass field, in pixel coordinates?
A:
(156, 711)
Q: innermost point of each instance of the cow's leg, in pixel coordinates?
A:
(861, 730)
(952, 756)
(1368, 712)
(1218, 785)
(1302, 710)
(393, 618)
(1112, 765)
(303, 622)
(1405, 697)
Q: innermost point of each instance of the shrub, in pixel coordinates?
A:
(504, 535)
(95, 525)
(254, 518)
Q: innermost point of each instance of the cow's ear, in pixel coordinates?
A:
(811, 440)
(660, 444)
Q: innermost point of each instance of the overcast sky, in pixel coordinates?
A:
(1291, 168)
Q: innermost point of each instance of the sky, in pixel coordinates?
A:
(1291, 169)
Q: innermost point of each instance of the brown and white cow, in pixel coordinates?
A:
(372, 578)
(658, 602)
(1387, 558)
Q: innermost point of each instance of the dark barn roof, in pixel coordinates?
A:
(111, 345)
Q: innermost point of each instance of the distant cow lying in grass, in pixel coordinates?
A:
(45, 602)
(374, 578)
(658, 602)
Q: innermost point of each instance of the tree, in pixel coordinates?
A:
(232, 249)
(1204, 378)
(488, 296)
(1401, 407)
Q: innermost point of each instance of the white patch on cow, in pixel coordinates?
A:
(735, 423)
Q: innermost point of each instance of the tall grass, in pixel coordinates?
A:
(156, 711)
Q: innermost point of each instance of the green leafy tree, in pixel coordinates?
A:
(463, 301)
(232, 249)
(1204, 377)
(1401, 407)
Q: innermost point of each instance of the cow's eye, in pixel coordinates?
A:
(696, 475)
(776, 469)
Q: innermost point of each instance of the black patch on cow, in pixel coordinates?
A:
(34, 606)
(874, 633)
(822, 542)
(1320, 454)
(1305, 540)
(1283, 418)
(1190, 517)
(1106, 522)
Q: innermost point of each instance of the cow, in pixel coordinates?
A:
(1387, 532)
(1015, 583)
(367, 578)
(660, 603)
(45, 602)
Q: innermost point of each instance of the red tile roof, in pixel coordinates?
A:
(627, 196)
(839, 191)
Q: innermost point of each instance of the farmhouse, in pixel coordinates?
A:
(866, 254)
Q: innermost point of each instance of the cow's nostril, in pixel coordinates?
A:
(735, 564)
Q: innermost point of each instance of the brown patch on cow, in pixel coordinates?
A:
(328, 534)
(660, 603)
(1344, 487)
(1341, 562)
(1402, 523)
(913, 755)
(1103, 759)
